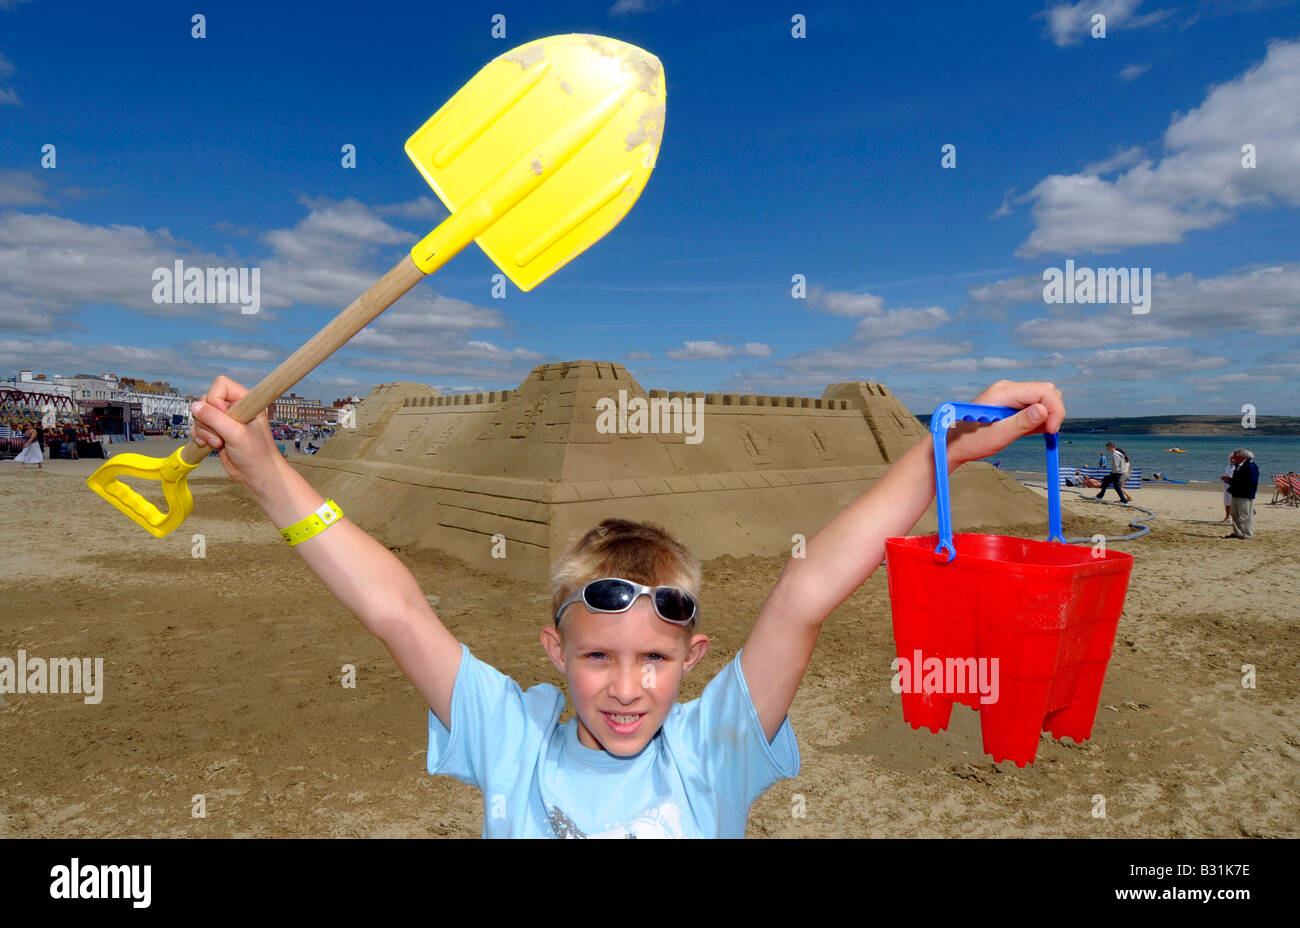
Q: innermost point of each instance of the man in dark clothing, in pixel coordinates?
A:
(1242, 486)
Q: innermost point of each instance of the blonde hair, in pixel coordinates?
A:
(634, 551)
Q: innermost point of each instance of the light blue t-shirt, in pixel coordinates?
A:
(695, 778)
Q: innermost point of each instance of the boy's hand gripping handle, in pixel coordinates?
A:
(948, 414)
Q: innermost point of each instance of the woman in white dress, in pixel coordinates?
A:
(31, 453)
(1227, 495)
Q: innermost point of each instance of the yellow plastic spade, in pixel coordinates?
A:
(537, 157)
(170, 470)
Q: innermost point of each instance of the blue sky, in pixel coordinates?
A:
(817, 156)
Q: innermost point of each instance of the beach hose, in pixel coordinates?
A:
(1142, 529)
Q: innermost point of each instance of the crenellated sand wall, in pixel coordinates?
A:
(532, 466)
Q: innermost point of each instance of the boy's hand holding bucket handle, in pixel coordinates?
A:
(847, 550)
(1042, 409)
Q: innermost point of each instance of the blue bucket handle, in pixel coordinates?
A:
(948, 414)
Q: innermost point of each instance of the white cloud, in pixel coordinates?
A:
(61, 264)
(20, 188)
(1132, 72)
(896, 322)
(1241, 377)
(630, 7)
(972, 365)
(876, 321)
(1071, 23)
(701, 351)
(639, 356)
(843, 303)
(332, 230)
(1079, 213)
(1146, 363)
(715, 351)
(1199, 182)
(30, 314)
(66, 358)
(1259, 300)
(432, 313)
(419, 208)
(1013, 290)
(863, 359)
(8, 96)
(326, 259)
(1093, 327)
(1262, 300)
(235, 351)
(1124, 158)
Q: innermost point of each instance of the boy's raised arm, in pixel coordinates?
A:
(361, 573)
(374, 585)
(848, 549)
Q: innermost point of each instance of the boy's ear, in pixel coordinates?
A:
(554, 647)
(698, 647)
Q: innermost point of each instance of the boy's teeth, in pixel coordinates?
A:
(623, 719)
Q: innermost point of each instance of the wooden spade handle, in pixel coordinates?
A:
(383, 294)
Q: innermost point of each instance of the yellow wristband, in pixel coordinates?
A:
(314, 524)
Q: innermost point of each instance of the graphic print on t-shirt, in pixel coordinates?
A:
(663, 821)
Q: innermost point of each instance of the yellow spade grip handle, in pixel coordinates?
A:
(170, 470)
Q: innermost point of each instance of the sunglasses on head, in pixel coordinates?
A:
(612, 594)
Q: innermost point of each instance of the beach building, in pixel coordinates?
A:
(28, 382)
(290, 407)
(159, 401)
(117, 406)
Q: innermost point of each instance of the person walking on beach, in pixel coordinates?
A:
(1242, 486)
(1227, 494)
(1119, 467)
(297, 442)
(31, 453)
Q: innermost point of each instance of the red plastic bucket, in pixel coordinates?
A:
(1019, 630)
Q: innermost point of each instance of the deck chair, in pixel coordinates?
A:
(1293, 498)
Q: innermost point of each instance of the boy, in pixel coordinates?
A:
(623, 631)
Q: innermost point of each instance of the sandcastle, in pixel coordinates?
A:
(505, 480)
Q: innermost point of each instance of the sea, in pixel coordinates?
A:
(1205, 458)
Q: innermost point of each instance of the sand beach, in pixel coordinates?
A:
(222, 678)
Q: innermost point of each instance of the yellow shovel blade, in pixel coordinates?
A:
(578, 118)
(170, 470)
